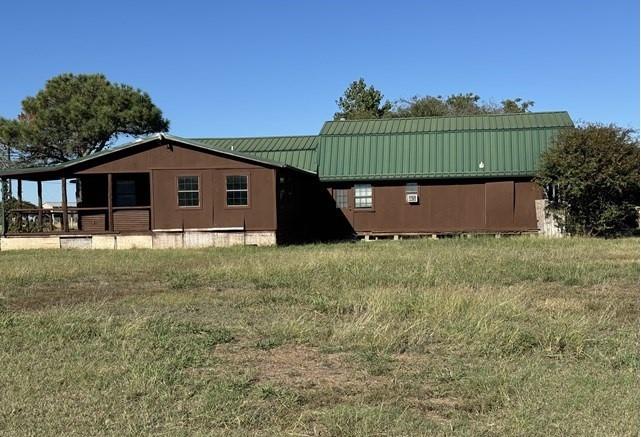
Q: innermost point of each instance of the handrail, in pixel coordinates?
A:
(46, 216)
(74, 209)
(116, 208)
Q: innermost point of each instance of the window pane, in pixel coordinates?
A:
(126, 186)
(187, 183)
(236, 198)
(340, 198)
(363, 202)
(125, 192)
(362, 190)
(363, 196)
(236, 182)
(188, 198)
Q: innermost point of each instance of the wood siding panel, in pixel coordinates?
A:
(166, 163)
(525, 193)
(166, 157)
(461, 206)
(131, 220)
(93, 222)
(499, 205)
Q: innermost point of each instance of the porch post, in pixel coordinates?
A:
(65, 216)
(19, 204)
(5, 197)
(39, 206)
(110, 212)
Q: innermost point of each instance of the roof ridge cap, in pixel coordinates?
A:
(447, 116)
(254, 137)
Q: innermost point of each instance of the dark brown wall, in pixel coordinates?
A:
(165, 164)
(461, 206)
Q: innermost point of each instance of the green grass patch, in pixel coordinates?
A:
(515, 336)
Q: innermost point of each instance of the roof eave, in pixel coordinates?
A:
(59, 169)
(425, 176)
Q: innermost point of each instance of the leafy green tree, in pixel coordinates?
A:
(516, 105)
(591, 177)
(464, 104)
(361, 101)
(77, 115)
(10, 135)
(455, 104)
(418, 106)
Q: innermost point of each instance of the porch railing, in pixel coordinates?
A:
(80, 220)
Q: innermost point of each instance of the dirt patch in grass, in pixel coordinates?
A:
(296, 366)
(324, 379)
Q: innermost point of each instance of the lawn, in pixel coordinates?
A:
(483, 336)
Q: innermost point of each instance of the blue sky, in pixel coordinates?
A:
(275, 67)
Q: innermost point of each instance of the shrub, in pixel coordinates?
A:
(591, 179)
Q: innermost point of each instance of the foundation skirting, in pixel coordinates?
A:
(154, 240)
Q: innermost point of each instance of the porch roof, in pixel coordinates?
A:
(56, 170)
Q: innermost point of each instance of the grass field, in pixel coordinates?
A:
(517, 336)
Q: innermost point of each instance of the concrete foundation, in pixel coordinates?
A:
(198, 239)
(156, 240)
(103, 242)
(260, 238)
(167, 240)
(76, 242)
(133, 242)
(24, 243)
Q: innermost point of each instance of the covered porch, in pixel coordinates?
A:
(102, 204)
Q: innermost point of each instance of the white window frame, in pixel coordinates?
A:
(363, 196)
(178, 191)
(237, 190)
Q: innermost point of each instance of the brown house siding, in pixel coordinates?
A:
(444, 206)
(166, 162)
(131, 220)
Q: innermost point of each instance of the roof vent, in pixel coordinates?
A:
(481, 165)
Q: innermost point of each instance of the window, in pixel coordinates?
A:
(125, 192)
(237, 191)
(340, 198)
(363, 196)
(188, 192)
(411, 188)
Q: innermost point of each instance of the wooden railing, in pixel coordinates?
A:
(80, 220)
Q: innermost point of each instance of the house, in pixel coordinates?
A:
(383, 177)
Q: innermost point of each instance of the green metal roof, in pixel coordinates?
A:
(397, 148)
(296, 151)
(437, 147)
(528, 120)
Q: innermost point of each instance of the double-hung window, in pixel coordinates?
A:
(340, 197)
(363, 196)
(188, 191)
(237, 191)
